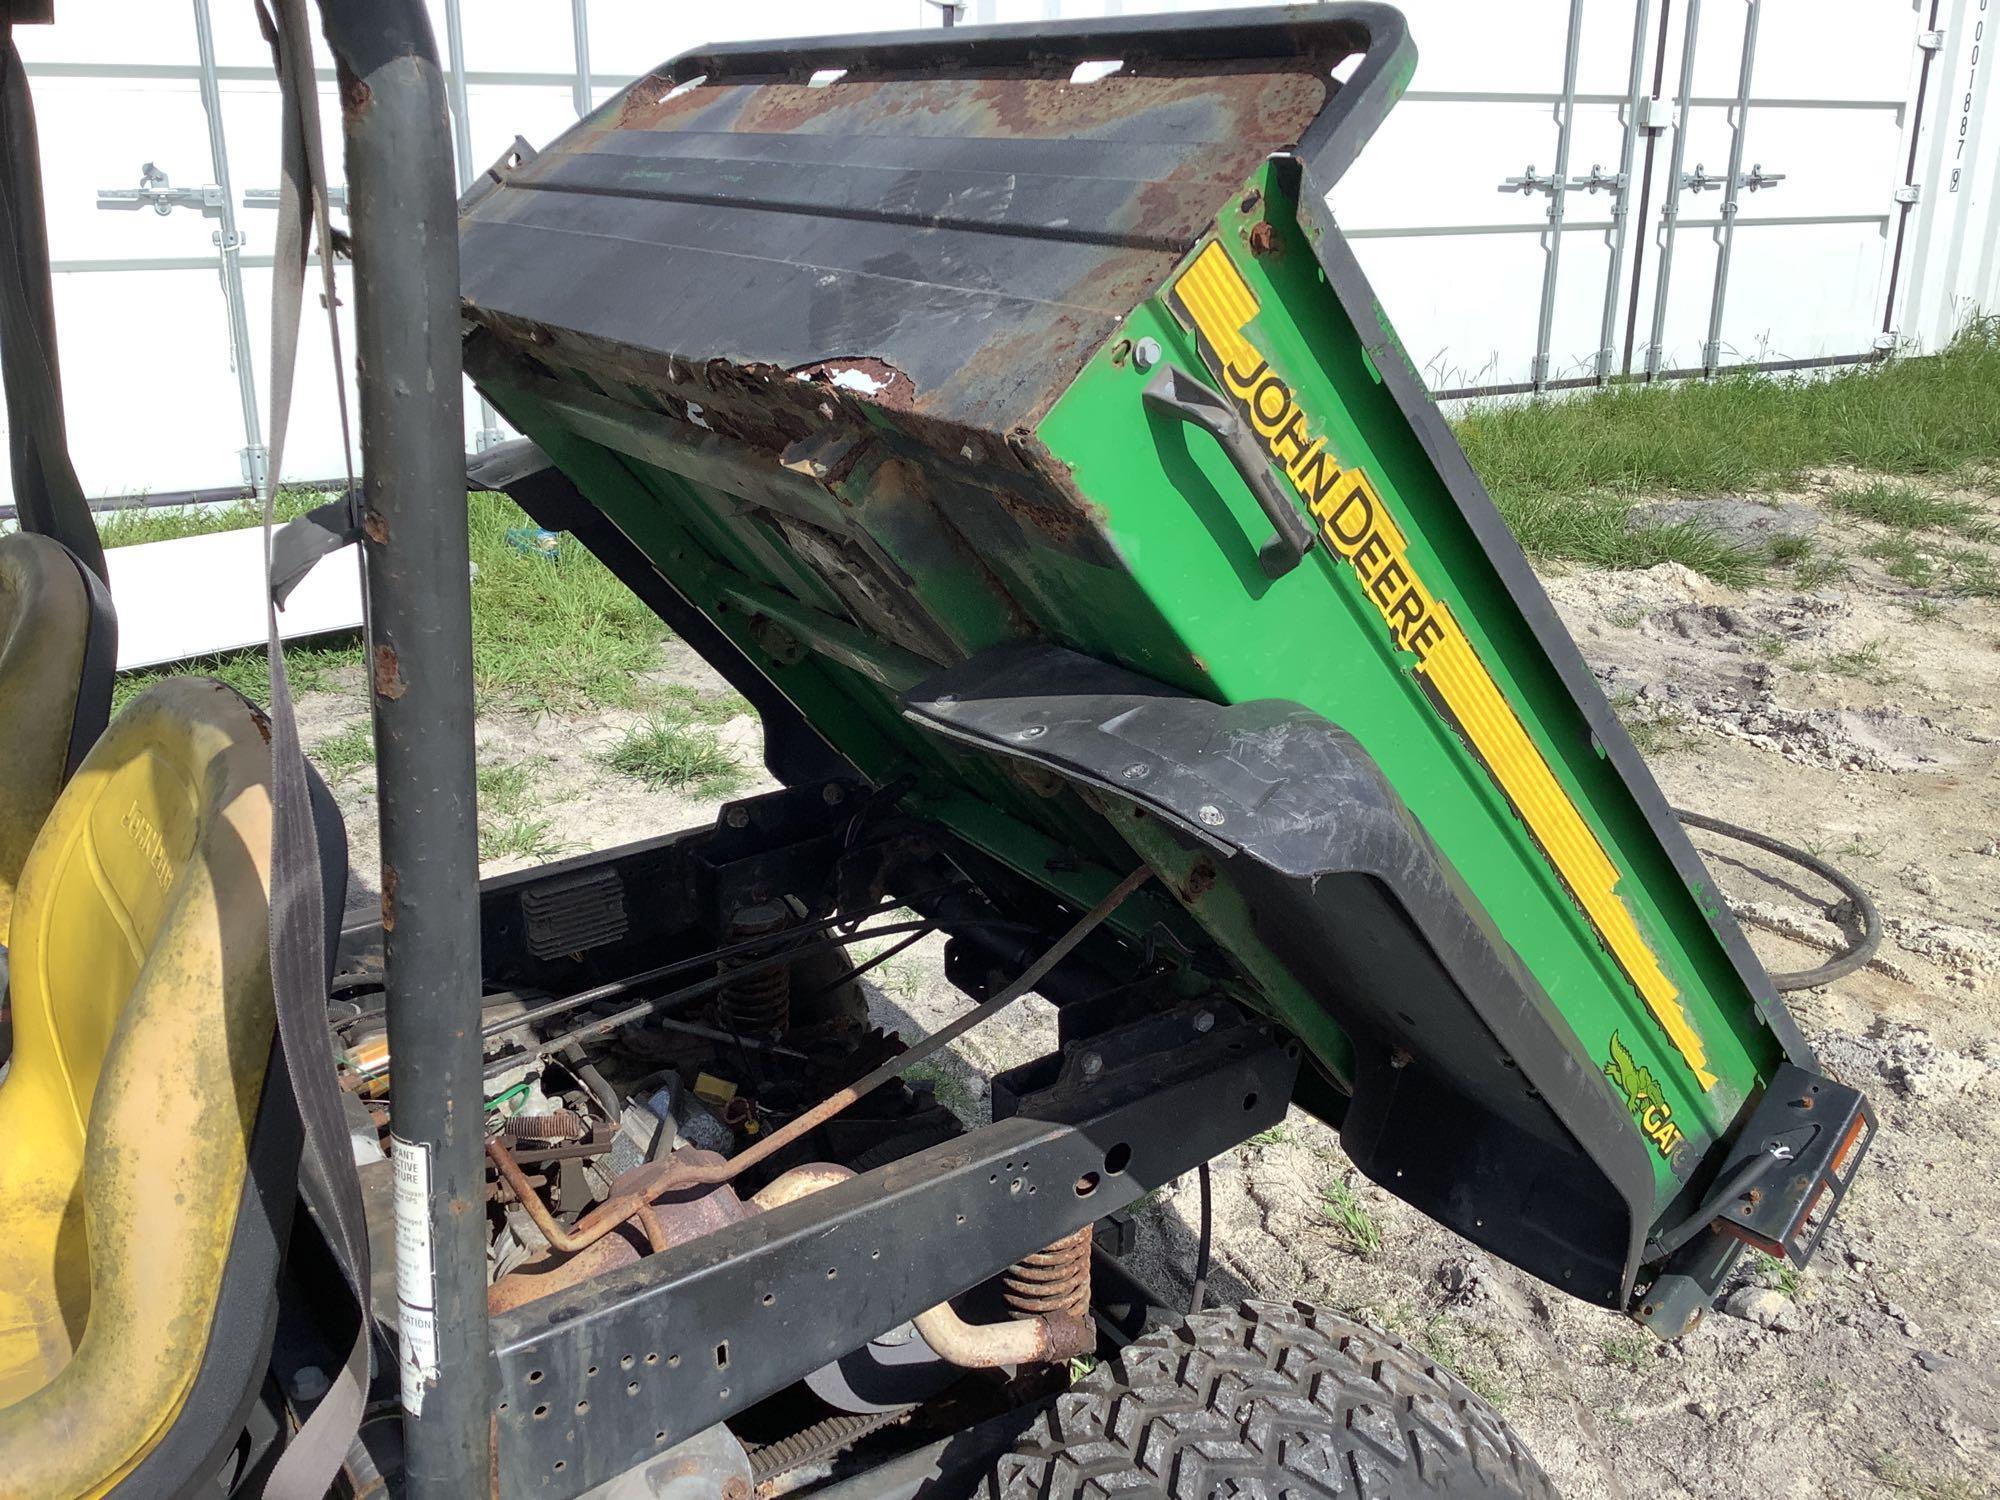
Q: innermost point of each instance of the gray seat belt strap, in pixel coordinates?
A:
(307, 1468)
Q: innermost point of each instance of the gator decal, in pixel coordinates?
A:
(1211, 299)
(1643, 1097)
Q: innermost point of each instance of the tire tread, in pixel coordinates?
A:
(1269, 1401)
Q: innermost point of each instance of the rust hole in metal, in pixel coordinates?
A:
(1263, 238)
(389, 882)
(388, 676)
(1200, 881)
(874, 380)
(355, 95)
(374, 525)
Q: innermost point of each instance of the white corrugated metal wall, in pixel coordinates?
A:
(1856, 217)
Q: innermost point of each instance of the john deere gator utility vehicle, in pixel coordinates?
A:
(1003, 413)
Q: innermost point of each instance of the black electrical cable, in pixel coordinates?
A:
(859, 969)
(1745, 1177)
(613, 989)
(1843, 963)
(1198, 1293)
(592, 1029)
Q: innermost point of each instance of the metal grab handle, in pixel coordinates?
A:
(1178, 393)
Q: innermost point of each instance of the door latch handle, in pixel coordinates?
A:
(1179, 394)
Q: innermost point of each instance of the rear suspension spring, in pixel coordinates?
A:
(759, 1001)
(1056, 1279)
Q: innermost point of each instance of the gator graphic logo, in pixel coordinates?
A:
(1642, 1095)
(1213, 301)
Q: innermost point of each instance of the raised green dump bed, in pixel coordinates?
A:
(1025, 436)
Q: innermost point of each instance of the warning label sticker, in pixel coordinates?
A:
(416, 1270)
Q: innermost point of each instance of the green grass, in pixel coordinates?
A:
(1597, 530)
(137, 523)
(1277, 1135)
(1566, 473)
(674, 752)
(1908, 508)
(344, 750)
(550, 633)
(687, 701)
(510, 824)
(1343, 1209)
(311, 666)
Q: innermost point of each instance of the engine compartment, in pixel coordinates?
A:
(666, 1010)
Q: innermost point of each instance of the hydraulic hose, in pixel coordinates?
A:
(1842, 963)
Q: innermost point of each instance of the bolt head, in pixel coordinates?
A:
(737, 817)
(1091, 1064)
(832, 795)
(308, 1383)
(1210, 814)
(1034, 731)
(1204, 1021)
(1137, 772)
(1146, 354)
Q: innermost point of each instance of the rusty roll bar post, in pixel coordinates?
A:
(404, 214)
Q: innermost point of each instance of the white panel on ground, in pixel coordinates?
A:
(197, 595)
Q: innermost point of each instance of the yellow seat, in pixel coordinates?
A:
(143, 1034)
(58, 650)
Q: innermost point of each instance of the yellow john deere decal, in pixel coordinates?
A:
(1213, 300)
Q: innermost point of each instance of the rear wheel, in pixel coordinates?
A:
(1269, 1400)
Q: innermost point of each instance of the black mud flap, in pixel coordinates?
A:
(1470, 1096)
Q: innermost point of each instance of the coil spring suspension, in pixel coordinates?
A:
(1056, 1279)
(759, 1003)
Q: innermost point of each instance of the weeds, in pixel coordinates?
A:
(901, 978)
(1277, 1135)
(1789, 549)
(1818, 570)
(1630, 1351)
(670, 751)
(1959, 571)
(1864, 661)
(508, 825)
(345, 750)
(1342, 1207)
(1781, 1276)
(1901, 1477)
(1653, 731)
(948, 1089)
(1449, 1344)
(1905, 508)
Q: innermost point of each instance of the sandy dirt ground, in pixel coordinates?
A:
(1859, 717)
